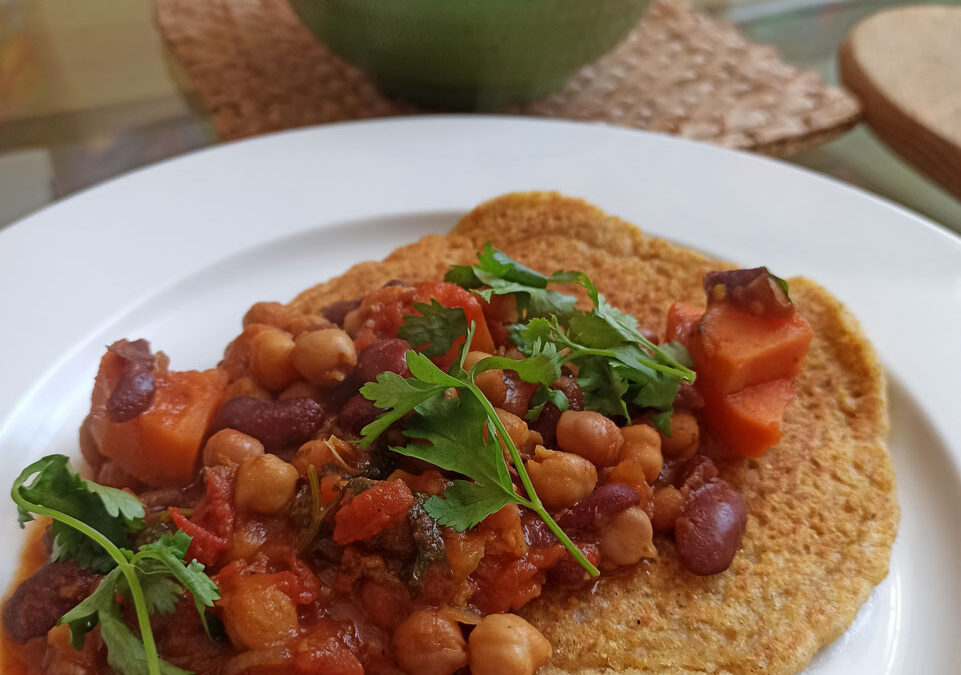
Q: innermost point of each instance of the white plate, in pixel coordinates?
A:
(177, 252)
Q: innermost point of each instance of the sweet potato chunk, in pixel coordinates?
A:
(160, 445)
(734, 349)
(748, 422)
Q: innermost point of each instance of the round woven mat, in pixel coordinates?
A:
(257, 69)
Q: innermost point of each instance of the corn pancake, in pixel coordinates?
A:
(822, 507)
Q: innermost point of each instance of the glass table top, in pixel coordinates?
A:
(88, 91)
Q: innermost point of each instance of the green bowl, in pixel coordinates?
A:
(470, 54)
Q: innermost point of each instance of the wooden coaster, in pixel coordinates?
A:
(257, 69)
(905, 66)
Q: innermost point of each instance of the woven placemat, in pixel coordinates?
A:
(257, 69)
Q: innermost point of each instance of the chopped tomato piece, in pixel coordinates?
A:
(748, 422)
(372, 511)
(734, 349)
(323, 651)
(160, 445)
(452, 295)
(212, 523)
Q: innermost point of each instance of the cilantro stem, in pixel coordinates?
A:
(128, 570)
(533, 501)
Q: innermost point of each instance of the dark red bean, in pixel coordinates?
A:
(356, 414)
(709, 530)
(518, 394)
(45, 596)
(386, 355)
(650, 335)
(754, 290)
(575, 395)
(395, 282)
(688, 398)
(335, 312)
(694, 472)
(546, 424)
(276, 424)
(598, 506)
(134, 390)
(568, 572)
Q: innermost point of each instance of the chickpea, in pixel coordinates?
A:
(320, 452)
(265, 484)
(258, 614)
(270, 359)
(246, 386)
(325, 357)
(299, 389)
(684, 437)
(642, 444)
(667, 504)
(491, 383)
(561, 478)
(627, 538)
(516, 428)
(506, 644)
(428, 643)
(229, 446)
(472, 359)
(632, 474)
(301, 322)
(589, 434)
(270, 313)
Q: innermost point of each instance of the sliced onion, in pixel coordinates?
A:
(258, 658)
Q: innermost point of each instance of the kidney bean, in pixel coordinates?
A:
(568, 572)
(710, 528)
(518, 393)
(356, 414)
(688, 398)
(45, 596)
(395, 282)
(598, 506)
(335, 312)
(754, 290)
(694, 472)
(546, 424)
(134, 390)
(276, 424)
(575, 395)
(385, 355)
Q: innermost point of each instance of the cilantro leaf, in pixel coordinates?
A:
(399, 396)
(83, 617)
(125, 652)
(531, 300)
(452, 428)
(541, 368)
(114, 513)
(603, 387)
(542, 396)
(435, 330)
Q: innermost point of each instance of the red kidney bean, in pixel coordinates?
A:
(45, 596)
(568, 572)
(754, 290)
(575, 395)
(546, 424)
(134, 390)
(688, 398)
(335, 312)
(694, 472)
(598, 506)
(650, 335)
(709, 530)
(356, 414)
(386, 355)
(395, 282)
(276, 424)
(518, 393)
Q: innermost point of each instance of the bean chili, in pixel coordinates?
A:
(325, 552)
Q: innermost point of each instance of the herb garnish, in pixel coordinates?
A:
(617, 365)
(455, 429)
(92, 524)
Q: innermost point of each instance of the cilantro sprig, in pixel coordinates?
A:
(92, 524)
(617, 365)
(454, 431)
